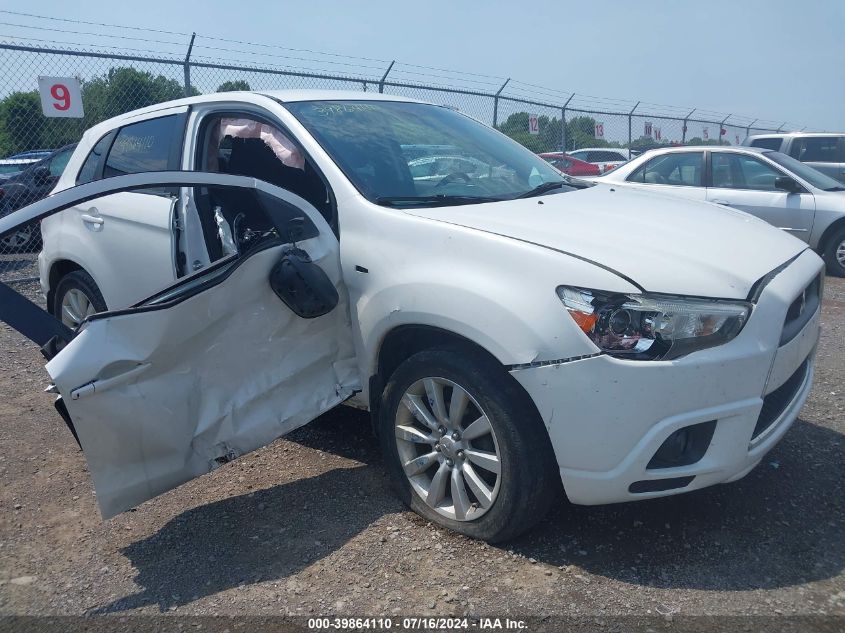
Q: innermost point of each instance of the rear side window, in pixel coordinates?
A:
(145, 146)
(91, 166)
(767, 143)
(678, 169)
(605, 156)
(738, 171)
(817, 149)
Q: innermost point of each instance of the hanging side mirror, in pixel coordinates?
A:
(302, 285)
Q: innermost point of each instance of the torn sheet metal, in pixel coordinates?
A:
(213, 377)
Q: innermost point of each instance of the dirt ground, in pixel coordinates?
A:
(309, 526)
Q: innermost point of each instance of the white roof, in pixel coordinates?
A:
(248, 96)
(621, 150)
(18, 161)
(742, 149)
(785, 134)
(290, 96)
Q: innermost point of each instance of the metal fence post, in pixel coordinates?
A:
(384, 76)
(188, 66)
(630, 119)
(748, 129)
(563, 123)
(684, 129)
(722, 127)
(496, 102)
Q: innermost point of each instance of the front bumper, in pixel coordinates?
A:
(608, 417)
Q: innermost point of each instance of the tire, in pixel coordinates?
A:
(834, 255)
(73, 287)
(20, 241)
(528, 480)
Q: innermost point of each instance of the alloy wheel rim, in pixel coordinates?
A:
(840, 253)
(17, 239)
(76, 307)
(448, 449)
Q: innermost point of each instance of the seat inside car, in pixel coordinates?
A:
(253, 157)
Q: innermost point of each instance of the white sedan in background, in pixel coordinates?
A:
(773, 186)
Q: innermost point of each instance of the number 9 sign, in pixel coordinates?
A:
(60, 97)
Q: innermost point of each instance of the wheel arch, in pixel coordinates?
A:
(403, 341)
(829, 232)
(58, 269)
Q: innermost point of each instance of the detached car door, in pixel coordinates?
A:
(216, 365)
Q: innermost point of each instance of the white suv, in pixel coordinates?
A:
(263, 257)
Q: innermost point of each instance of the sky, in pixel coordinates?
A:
(775, 59)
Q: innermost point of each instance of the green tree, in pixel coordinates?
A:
(581, 132)
(548, 139)
(232, 86)
(23, 126)
(21, 122)
(123, 89)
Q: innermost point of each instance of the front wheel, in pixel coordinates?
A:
(834, 255)
(465, 446)
(19, 241)
(77, 297)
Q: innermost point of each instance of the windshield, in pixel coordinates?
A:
(400, 154)
(813, 176)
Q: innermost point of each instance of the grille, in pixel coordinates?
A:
(775, 403)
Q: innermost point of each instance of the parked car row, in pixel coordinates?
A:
(607, 158)
(565, 163)
(32, 183)
(587, 161)
(824, 152)
(768, 184)
(222, 269)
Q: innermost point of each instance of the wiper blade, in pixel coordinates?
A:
(437, 199)
(539, 190)
(836, 189)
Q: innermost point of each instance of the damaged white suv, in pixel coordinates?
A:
(223, 269)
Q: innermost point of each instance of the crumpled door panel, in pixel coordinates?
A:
(206, 370)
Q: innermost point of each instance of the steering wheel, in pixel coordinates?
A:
(453, 177)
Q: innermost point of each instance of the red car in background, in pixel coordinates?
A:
(569, 165)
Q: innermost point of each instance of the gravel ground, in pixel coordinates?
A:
(309, 526)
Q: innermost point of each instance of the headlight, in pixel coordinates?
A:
(652, 326)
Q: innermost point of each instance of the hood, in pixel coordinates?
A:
(663, 244)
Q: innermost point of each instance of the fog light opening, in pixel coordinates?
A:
(684, 446)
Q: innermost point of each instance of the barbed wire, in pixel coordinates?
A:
(314, 61)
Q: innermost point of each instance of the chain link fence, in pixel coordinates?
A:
(543, 120)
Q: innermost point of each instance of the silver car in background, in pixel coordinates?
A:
(770, 185)
(823, 151)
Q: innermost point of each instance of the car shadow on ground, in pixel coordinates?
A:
(780, 526)
(270, 534)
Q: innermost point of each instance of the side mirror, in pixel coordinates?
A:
(786, 183)
(303, 286)
(41, 175)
